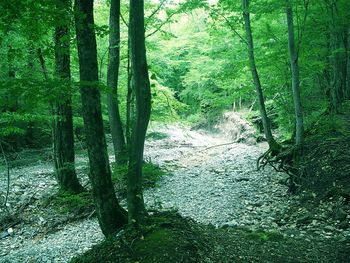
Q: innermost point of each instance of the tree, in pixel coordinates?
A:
(273, 145)
(142, 91)
(112, 83)
(63, 136)
(110, 215)
(299, 120)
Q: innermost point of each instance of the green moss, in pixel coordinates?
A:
(162, 243)
(64, 202)
(166, 238)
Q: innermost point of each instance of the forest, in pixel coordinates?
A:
(167, 131)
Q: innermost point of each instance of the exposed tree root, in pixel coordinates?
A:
(282, 160)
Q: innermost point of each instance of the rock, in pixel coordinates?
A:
(304, 220)
(232, 223)
(344, 224)
(340, 215)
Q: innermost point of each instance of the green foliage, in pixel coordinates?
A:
(264, 236)
(164, 105)
(65, 203)
(151, 174)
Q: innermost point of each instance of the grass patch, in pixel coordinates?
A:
(264, 236)
(152, 173)
(66, 203)
(156, 135)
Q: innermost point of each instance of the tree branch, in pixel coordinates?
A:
(155, 11)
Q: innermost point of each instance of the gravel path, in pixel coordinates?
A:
(218, 185)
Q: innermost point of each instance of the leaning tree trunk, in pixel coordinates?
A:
(273, 145)
(299, 120)
(63, 136)
(141, 88)
(110, 215)
(112, 83)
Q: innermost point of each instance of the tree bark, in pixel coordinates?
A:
(63, 136)
(141, 89)
(115, 122)
(110, 215)
(299, 120)
(273, 145)
(347, 93)
(10, 62)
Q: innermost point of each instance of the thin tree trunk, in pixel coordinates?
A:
(347, 93)
(10, 62)
(112, 83)
(63, 136)
(141, 88)
(129, 101)
(110, 215)
(299, 120)
(265, 120)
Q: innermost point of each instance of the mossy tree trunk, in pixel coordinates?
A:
(141, 89)
(110, 215)
(273, 145)
(299, 119)
(112, 83)
(63, 136)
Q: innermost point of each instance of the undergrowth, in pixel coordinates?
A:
(65, 203)
(151, 174)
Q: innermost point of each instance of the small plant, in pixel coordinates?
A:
(157, 135)
(264, 236)
(152, 173)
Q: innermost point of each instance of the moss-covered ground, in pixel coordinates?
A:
(171, 238)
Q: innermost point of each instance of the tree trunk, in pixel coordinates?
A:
(141, 88)
(347, 93)
(265, 120)
(129, 101)
(299, 135)
(112, 83)
(63, 136)
(10, 62)
(110, 215)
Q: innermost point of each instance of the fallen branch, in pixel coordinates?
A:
(218, 145)
(8, 175)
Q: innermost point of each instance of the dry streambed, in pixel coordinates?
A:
(212, 180)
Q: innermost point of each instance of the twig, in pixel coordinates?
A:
(161, 25)
(91, 214)
(154, 12)
(123, 19)
(8, 175)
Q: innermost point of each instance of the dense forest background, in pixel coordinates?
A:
(71, 73)
(197, 60)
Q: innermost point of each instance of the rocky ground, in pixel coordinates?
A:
(211, 179)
